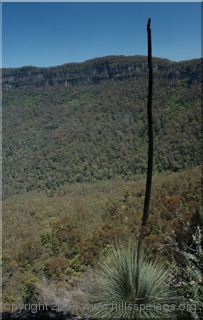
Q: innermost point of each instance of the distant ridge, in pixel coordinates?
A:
(95, 70)
(97, 59)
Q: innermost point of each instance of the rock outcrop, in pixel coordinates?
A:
(99, 69)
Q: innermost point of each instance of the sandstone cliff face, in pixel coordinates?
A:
(111, 68)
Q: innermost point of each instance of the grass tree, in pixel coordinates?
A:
(116, 291)
(128, 285)
(150, 159)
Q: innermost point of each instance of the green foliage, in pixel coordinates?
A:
(8, 299)
(24, 264)
(6, 260)
(115, 295)
(55, 246)
(75, 267)
(50, 243)
(29, 288)
(105, 253)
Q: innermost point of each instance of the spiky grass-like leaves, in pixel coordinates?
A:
(116, 287)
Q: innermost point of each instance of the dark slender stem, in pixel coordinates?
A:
(150, 159)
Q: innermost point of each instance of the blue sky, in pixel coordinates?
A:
(53, 33)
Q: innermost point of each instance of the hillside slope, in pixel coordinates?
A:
(87, 121)
(60, 237)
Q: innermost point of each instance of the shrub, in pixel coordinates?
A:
(75, 267)
(190, 276)
(29, 288)
(55, 267)
(115, 294)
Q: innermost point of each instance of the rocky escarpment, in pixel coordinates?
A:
(107, 68)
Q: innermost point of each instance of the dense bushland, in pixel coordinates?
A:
(62, 132)
(61, 237)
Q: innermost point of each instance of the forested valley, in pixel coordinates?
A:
(74, 172)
